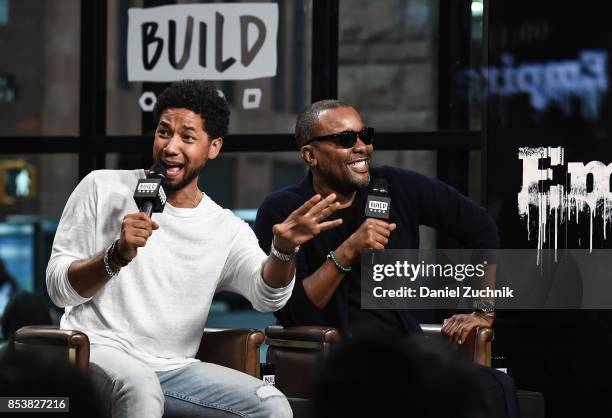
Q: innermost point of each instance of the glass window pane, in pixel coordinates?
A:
(39, 74)
(388, 62)
(253, 176)
(33, 192)
(4, 12)
(36, 185)
(267, 104)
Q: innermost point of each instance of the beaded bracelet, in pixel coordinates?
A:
(111, 273)
(116, 256)
(331, 256)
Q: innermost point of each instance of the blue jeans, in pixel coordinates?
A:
(129, 388)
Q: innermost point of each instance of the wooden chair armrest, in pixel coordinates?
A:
(476, 347)
(234, 348)
(305, 337)
(76, 343)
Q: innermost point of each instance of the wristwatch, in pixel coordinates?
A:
(484, 306)
(282, 256)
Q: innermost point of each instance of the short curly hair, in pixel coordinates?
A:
(201, 97)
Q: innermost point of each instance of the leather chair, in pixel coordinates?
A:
(234, 348)
(476, 347)
(294, 351)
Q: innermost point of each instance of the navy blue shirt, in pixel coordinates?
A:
(415, 200)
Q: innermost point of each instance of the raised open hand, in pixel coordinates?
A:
(305, 223)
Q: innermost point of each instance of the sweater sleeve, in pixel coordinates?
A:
(74, 240)
(442, 207)
(242, 273)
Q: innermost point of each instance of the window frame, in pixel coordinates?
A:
(92, 143)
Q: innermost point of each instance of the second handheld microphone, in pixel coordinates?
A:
(378, 204)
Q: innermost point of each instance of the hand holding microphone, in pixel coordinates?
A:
(136, 228)
(374, 232)
(150, 195)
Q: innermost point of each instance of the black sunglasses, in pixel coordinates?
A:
(347, 139)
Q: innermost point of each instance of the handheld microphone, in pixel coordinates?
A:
(150, 195)
(378, 204)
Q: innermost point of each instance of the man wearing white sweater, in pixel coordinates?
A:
(141, 289)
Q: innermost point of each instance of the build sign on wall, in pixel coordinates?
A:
(202, 41)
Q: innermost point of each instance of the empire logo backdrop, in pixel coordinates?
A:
(548, 151)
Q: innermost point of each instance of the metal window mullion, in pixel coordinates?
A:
(92, 99)
(325, 28)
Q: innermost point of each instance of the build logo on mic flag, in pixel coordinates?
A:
(378, 207)
(151, 189)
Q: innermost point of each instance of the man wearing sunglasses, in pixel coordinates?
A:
(337, 148)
